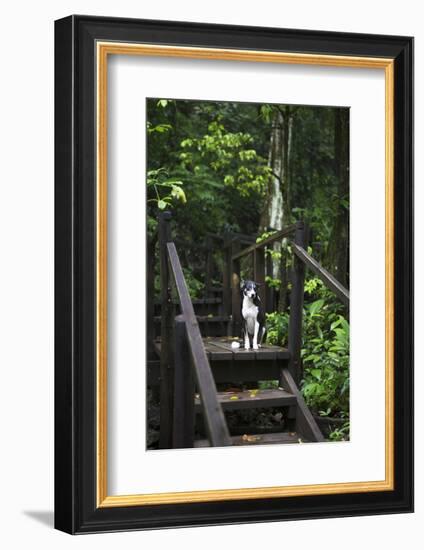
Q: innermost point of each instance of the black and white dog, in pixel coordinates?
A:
(253, 315)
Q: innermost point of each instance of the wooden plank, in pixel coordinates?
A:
(225, 370)
(305, 422)
(183, 431)
(226, 279)
(240, 354)
(150, 291)
(209, 265)
(256, 439)
(167, 321)
(235, 292)
(212, 318)
(331, 282)
(240, 372)
(215, 423)
(296, 308)
(266, 242)
(253, 399)
(220, 350)
(216, 353)
(259, 273)
(269, 290)
(266, 353)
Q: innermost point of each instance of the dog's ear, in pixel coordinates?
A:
(258, 284)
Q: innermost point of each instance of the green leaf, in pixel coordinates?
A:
(316, 373)
(178, 193)
(161, 204)
(315, 307)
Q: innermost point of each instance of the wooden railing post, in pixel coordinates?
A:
(208, 267)
(183, 389)
(296, 307)
(167, 321)
(226, 279)
(259, 273)
(269, 290)
(235, 290)
(150, 291)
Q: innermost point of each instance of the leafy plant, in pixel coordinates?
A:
(341, 434)
(165, 189)
(325, 350)
(277, 325)
(325, 354)
(229, 154)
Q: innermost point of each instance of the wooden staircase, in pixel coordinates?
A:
(192, 342)
(241, 367)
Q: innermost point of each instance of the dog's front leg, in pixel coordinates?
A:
(255, 336)
(246, 339)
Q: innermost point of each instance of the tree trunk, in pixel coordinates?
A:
(276, 212)
(276, 208)
(338, 252)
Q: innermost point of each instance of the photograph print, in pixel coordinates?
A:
(247, 274)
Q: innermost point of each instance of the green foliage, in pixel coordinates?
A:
(325, 353)
(277, 325)
(230, 155)
(341, 434)
(195, 286)
(164, 189)
(325, 350)
(272, 282)
(268, 384)
(161, 128)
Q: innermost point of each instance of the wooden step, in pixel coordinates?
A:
(252, 399)
(235, 372)
(263, 439)
(220, 349)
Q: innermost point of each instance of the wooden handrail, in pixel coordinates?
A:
(269, 240)
(331, 282)
(215, 423)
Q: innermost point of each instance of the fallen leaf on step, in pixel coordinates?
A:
(250, 438)
(253, 393)
(234, 398)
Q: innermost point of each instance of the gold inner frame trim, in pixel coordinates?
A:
(103, 50)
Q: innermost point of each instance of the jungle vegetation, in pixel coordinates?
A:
(253, 169)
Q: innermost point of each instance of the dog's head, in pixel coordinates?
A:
(250, 289)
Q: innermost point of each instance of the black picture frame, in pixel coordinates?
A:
(76, 508)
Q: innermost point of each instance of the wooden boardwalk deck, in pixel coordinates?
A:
(219, 349)
(240, 365)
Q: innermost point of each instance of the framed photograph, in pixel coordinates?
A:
(234, 274)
